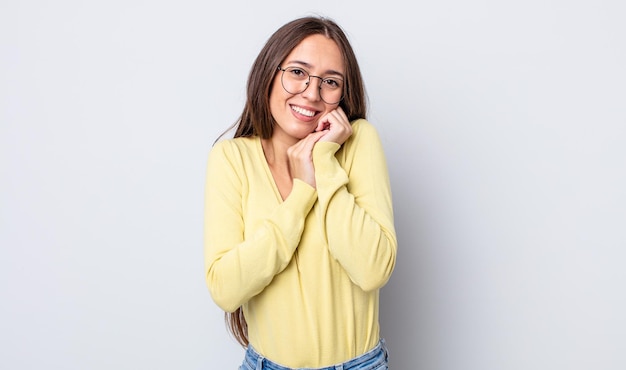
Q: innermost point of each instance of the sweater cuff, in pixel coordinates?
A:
(323, 152)
(302, 197)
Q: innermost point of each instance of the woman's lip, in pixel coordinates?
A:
(302, 113)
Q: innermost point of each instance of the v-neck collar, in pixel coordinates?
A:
(266, 168)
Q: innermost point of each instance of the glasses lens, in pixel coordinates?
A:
(295, 80)
(331, 90)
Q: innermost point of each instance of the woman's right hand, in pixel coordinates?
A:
(301, 158)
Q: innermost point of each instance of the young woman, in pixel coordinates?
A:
(299, 232)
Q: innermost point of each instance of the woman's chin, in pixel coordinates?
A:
(300, 131)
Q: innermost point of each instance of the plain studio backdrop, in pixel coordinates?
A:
(503, 124)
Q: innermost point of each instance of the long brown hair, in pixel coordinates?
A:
(256, 118)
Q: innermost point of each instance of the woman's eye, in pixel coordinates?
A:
(298, 72)
(331, 83)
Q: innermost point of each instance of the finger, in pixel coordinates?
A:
(342, 115)
(306, 144)
(334, 118)
(323, 124)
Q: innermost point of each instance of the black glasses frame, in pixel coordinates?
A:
(283, 70)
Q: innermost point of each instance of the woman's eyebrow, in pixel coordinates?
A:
(309, 66)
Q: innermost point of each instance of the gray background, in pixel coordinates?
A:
(503, 124)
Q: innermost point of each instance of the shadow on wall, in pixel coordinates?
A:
(408, 314)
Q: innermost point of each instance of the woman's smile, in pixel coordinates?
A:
(302, 112)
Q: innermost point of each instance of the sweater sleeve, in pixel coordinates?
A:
(356, 207)
(239, 268)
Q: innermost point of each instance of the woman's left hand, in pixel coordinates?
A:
(337, 124)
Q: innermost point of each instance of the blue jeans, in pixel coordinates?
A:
(376, 359)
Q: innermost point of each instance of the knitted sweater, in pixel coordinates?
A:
(307, 270)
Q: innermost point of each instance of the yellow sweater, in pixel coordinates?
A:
(307, 270)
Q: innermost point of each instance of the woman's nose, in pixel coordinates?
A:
(313, 89)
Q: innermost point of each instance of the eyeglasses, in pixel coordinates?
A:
(295, 80)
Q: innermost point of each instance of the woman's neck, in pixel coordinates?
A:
(275, 151)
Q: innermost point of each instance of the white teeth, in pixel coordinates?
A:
(303, 111)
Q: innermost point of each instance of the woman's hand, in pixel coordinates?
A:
(301, 158)
(337, 125)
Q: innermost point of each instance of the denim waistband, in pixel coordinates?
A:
(376, 357)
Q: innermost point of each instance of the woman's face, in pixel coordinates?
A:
(296, 115)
